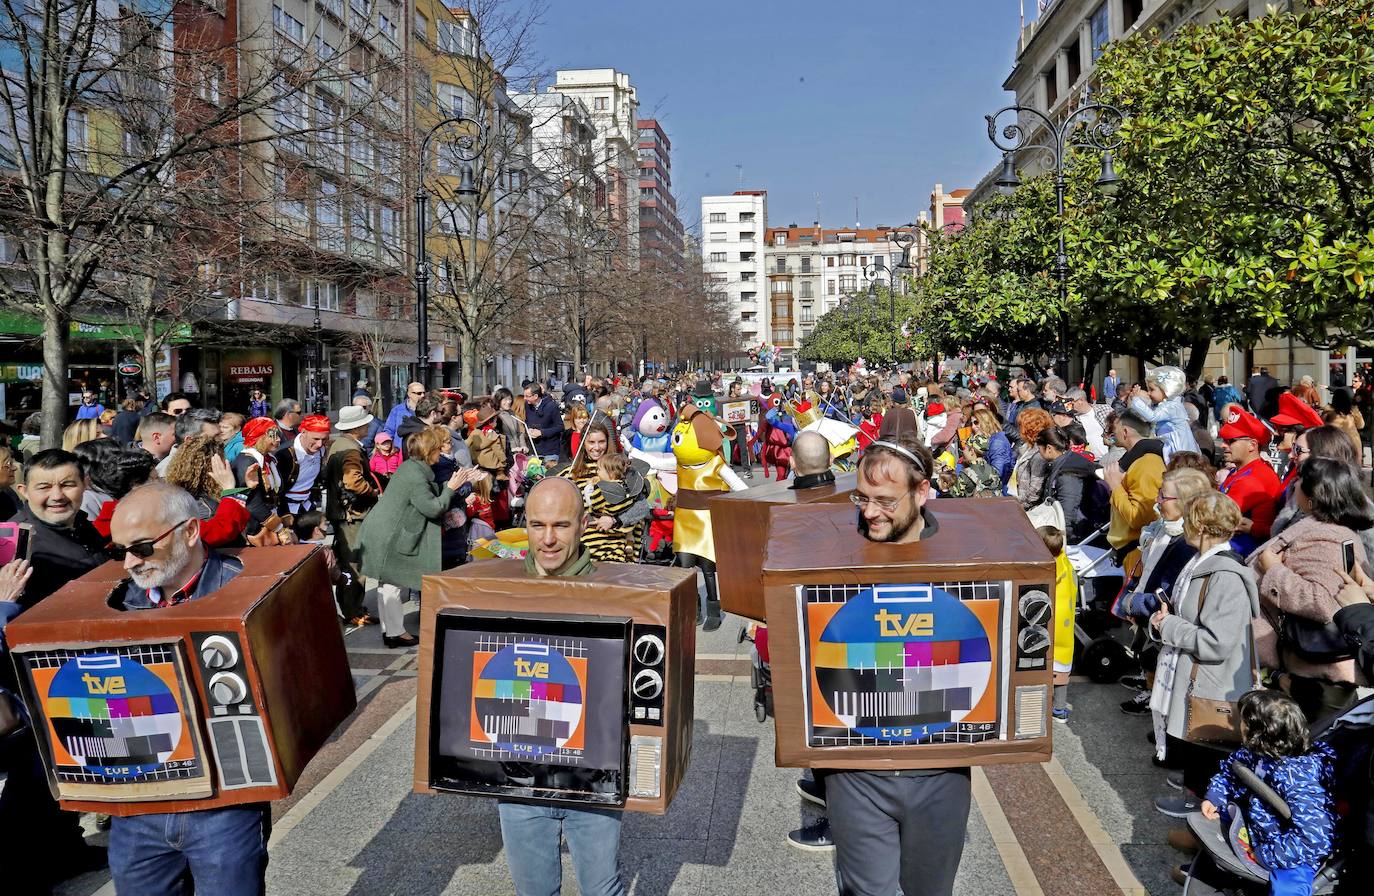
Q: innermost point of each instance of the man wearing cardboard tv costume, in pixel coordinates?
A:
(903, 655)
(167, 699)
(534, 679)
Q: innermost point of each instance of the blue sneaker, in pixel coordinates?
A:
(1061, 715)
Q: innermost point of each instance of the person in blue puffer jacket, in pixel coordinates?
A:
(1278, 747)
(1164, 409)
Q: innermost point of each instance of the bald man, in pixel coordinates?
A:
(398, 415)
(155, 532)
(811, 461)
(555, 518)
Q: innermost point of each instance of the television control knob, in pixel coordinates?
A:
(226, 688)
(218, 652)
(1036, 607)
(1033, 639)
(649, 650)
(647, 684)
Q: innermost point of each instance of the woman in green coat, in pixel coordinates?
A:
(399, 539)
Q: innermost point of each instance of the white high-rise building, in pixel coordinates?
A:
(732, 232)
(611, 101)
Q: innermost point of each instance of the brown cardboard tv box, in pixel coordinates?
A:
(214, 702)
(483, 732)
(739, 522)
(925, 655)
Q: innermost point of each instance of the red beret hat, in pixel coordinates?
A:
(315, 423)
(257, 428)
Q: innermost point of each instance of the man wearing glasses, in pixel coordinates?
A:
(1252, 484)
(398, 415)
(155, 532)
(902, 826)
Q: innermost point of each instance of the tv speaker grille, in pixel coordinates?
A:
(1031, 711)
(242, 753)
(646, 764)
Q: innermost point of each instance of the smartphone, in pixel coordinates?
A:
(1348, 556)
(14, 542)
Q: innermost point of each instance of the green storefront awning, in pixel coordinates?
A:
(16, 323)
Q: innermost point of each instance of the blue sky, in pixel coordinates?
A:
(841, 100)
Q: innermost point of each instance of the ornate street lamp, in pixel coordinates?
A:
(466, 149)
(1093, 127)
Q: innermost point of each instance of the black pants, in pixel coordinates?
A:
(1198, 762)
(350, 594)
(35, 832)
(892, 829)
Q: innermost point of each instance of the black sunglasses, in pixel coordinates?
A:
(141, 549)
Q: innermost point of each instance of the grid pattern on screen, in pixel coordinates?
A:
(961, 733)
(140, 653)
(495, 643)
(838, 594)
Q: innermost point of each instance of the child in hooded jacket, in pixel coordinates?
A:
(1279, 748)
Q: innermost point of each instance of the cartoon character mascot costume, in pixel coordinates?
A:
(701, 473)
(1164, 408)
(774, 435)
(650, 441)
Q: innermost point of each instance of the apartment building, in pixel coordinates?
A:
(732, 242)
(660, 231)
(613, 104)
(1053, 72)
(812, 270)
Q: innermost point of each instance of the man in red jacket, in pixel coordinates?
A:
(1253, 484)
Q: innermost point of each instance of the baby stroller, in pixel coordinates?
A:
(1226, 865)
(760, 676)
(1101, 640)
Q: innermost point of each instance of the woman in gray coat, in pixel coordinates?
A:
(1207, 642)
(399, 539)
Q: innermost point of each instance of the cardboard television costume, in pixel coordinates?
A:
(576, 691)
(933, 654)
(214, 702)
(739, 525)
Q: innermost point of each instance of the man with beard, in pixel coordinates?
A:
(903, 826)
(156, 533)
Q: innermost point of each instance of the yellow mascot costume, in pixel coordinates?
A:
(701, 472)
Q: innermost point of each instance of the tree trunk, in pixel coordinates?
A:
(379, 403)
(1197, 358)
(467, 352)
(55, 407)
(149, 353)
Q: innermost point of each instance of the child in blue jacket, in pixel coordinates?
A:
(1278, 747)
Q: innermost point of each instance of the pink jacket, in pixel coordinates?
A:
(385, 466)
(1305, 585)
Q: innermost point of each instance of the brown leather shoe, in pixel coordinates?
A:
(1184, 840)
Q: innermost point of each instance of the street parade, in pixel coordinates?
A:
(531, 539)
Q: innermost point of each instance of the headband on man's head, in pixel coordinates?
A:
(904, 452)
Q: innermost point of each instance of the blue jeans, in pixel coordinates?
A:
(223, 851)
(531, 834)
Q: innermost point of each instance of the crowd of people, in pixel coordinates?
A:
(1241, 522)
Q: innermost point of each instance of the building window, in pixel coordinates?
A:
(804, 289)
(746, 217)
(717, 218)
(849, 282)
(780, 286)
(288, 25)
(78, 133)
(847, 260)
(747, 276)
(391, 228)
(808, 315)
(830, 261)
(1101, 31)
(263, 288)
(421, 26)
(386, 27)
(780, 239)
(1075, 60)
(806, 264)
(830, 287)
(1051, 81)
(601, 104)
(717, 236)
(211, 79)
(328, 217)
(452, 99)
(1130, 12)
(718, 256)
(322, 294)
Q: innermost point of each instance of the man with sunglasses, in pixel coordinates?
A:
(156, 534)
(1252, 484)
(398, 415)
(902, 826)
